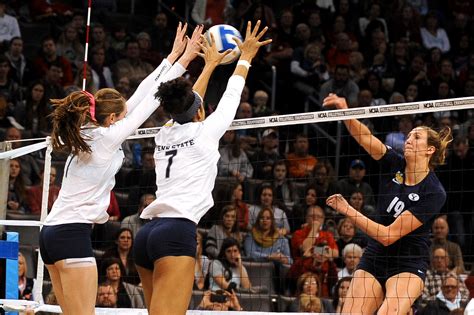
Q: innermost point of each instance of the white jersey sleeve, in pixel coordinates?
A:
(147, 84)
(217, 123)
(118, 132)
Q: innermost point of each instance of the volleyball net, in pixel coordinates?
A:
(324, 137)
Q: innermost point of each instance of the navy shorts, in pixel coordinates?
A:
(164, 237)
(383, 269)
(72, 240)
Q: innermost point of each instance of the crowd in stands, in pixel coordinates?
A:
(272, 182)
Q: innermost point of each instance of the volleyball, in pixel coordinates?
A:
(223, 37)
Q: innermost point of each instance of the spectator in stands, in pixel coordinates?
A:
(358, 70)
(35, 193)
(8, 87)
(25, 284)
(132, 66)
(248, 137)
(100, 39)
(266, 199)
(122, 250)
(22, 70)
(372, 21)
(113, 210)
(456, 176)
(32, 113)
(201, 267)
(231, 192)
(415, 75)
(311, 198)
(210, 13)
(79, 79)
(357, 201)
(260, 104)
(396, 139)
(285, 191)
(227, 272)
(10, 27)
(231, 301)
(433, 35)
(161, 35)
(17, 191)
(300, 163)
(440, 232)
(339, 293)
(340, 84)
(101, 73)
(233, 160)
(340, 53)
(406, 26)
(323, 177)
(147, 54)
(134, 222)
(308, 295)
(308, 68)
(264, 158)
(106, 296)
(29, 166)
(52, 82)
(70, 47)
(48, 56)
(351, 255)
(265, 243)
(347, 234)
(128, 295)
(226, 227)
(119, 38)
(448, 299)
(42, 10)
(469, 282)
(438, 272)
(355, 181)
(313, 250)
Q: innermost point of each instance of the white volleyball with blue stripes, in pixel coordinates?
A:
(223, 37)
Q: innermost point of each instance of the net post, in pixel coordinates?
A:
(38, 285)
(4, 175)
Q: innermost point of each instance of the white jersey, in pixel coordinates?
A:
(186, 159)
(88, 178)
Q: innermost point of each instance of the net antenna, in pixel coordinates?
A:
(86, 51)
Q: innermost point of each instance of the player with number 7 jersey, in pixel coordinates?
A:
(186, 156)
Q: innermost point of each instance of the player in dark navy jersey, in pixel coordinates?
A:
(390, 276)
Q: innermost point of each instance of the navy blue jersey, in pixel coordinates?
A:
(424, 200)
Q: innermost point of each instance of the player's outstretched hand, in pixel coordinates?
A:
(338, 203)
(193, 46)
(252, 43)
(180, 40)
(332, 100)
(210, 53)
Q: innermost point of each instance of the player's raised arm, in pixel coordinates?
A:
(358, 130)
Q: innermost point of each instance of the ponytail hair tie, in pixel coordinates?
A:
(91, 104)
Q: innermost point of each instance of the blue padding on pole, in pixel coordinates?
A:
(8, 250)
(11, 279)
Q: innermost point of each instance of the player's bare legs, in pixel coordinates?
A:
(365, 294)
(146, 277)
(173, 279)
(401, 292)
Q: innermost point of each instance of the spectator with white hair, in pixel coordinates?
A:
(351, 255)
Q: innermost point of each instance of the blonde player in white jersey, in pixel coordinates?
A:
(92, 128)
(186, 156)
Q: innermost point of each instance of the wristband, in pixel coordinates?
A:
(244, 63)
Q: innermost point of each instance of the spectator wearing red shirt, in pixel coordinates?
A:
(49, 56)
(313, 250)
(35, 193)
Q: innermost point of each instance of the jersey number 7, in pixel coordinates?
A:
(172, 154)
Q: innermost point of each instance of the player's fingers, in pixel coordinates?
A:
(255, 29)
(262, 32)
(249, 30)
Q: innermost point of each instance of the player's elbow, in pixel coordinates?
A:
(387, 240)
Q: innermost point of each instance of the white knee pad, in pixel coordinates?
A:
(79, 262)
